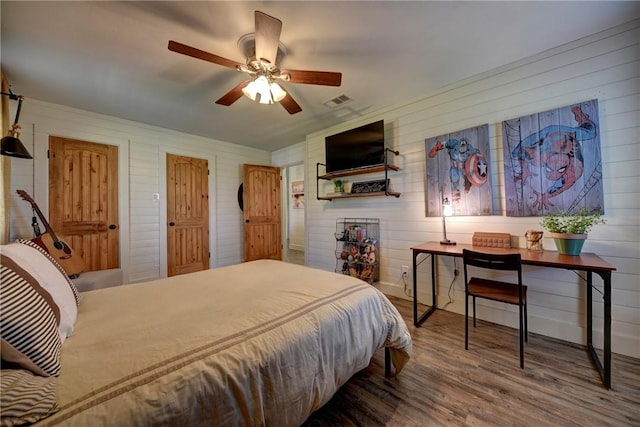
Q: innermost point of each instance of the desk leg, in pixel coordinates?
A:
(415, 289)
(417, 320)
(607, 329)
(589, 311)
(605, 371)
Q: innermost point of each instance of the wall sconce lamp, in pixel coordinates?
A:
(11, 145)
(447, 210)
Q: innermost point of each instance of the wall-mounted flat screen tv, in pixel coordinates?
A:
(356, 148)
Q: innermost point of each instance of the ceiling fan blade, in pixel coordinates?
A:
(201, 54)
(326, 78)
(233, 95)
(268, 31)
(290, 104)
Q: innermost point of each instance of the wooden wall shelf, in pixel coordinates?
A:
(351, 195)
(386, 167)
(372, 169)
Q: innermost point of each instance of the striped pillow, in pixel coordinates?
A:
(50, 276)
(56, 264)
(28, 321)
(26, 398)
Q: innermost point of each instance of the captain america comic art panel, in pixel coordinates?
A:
(458, 172)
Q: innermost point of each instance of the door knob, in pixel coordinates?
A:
(112, 227)
(171, 224)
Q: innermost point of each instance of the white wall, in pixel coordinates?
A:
(605, 66)
(291, 159)
(142, 172)
(296, 216)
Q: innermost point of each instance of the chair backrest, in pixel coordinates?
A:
(511, 262)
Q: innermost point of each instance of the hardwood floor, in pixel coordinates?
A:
(444, 385)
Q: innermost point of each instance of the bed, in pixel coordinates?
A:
(259, 343)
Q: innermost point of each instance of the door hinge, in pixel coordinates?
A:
(208, 172)
(48, 154)
(209, 255)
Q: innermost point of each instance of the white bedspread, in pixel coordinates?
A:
(259, 343)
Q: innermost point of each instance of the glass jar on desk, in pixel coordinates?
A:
(534, 240)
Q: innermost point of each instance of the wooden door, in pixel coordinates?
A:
(83, 199)
(187, 215)
(262, 213)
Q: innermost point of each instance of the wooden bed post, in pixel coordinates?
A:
(387, 362)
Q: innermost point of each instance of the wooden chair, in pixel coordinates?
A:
(495, 290)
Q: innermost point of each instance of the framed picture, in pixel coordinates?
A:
(298, 201)
(458, 170)
(297, 187)
(553, 161)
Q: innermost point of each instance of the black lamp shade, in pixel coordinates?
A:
(11, 146)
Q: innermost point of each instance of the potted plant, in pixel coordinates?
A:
(338, 185)
(569, 231)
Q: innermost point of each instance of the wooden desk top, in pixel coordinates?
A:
(585, 261)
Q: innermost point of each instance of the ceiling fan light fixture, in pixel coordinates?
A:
(277, 92)
(263, 52)
(264, 91)
(251, 90)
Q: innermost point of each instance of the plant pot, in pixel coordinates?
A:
(569, 244)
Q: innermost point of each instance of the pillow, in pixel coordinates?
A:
(44, 252)
(51, 277)
(28, 320)
(26, 398)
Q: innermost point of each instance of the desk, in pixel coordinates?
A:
(587, 262)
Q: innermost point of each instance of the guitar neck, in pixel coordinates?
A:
(35, 207)
(47, 227)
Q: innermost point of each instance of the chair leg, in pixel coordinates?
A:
(522, 333)
(466, 322)
(526, 324)
(474, 311)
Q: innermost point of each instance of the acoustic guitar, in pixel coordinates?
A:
(55, 246)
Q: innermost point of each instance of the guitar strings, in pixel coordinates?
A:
(34, 219)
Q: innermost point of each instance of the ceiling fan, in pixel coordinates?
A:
(263, 51)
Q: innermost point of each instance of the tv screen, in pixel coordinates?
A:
(356, 148)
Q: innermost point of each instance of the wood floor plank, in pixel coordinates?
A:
(444, 385)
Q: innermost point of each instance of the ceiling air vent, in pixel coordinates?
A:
(338, 100)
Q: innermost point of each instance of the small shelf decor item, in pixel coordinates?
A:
(377, 186)
(569, 230)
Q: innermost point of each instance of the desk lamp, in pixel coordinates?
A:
(447, 210)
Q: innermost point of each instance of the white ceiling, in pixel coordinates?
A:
(112, 57)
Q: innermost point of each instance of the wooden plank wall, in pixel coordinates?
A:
(142, 167)
(605, 66)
